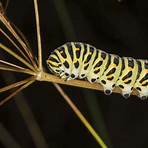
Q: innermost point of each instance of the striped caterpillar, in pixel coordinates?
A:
(83, 61)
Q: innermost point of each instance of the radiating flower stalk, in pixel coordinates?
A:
(34, 68)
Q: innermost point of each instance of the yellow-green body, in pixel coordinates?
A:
(76, 60)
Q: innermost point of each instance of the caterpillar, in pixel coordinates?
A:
(83, 61)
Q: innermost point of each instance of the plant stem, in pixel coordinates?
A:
(15, 92)
(77, 83)
(14, 85)
(38, 35)
(11, 52)
(80, 116)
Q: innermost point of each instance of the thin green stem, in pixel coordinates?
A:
(81, 117)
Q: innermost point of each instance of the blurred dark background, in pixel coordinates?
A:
(116, 26)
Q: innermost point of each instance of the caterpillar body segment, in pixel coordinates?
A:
(141, 84)
(128, 76)
(65, 60)
(83, 61)
(98, 67)
(111, 74)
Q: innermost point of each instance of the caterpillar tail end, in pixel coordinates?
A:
(108, 92)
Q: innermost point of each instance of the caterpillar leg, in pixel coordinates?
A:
(111, 74)
(126, 95)
(143, 97)
(128, 76)
(68, 75)
(107, 91)
(126, 91)
(143, 92)
(65, 77)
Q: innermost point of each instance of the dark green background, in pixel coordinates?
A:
(116, 27)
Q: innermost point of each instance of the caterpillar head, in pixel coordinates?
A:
(54, 65)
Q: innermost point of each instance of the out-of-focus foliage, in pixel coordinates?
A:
(114, 26)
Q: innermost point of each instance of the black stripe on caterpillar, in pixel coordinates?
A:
(83, 61)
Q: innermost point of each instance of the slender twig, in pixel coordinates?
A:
(26, 71)
(80, 116)
(15, 92)
(7, 23)
(6, 63)
(16, 56)
(14, 85)
(15, 45)
(30, 55)
(38, 35)
(34, 129)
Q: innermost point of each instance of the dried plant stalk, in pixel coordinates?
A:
(14, 85)
(7, 24)
(80, 116)
(78, 83)
(31, 56)
(16, 56)
(38, 35)
(29, 82)
(15, 45)
(25, 71)
(4, 65)
(29, 119)
(8, 64)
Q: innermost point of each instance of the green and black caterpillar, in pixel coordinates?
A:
(83, 61)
